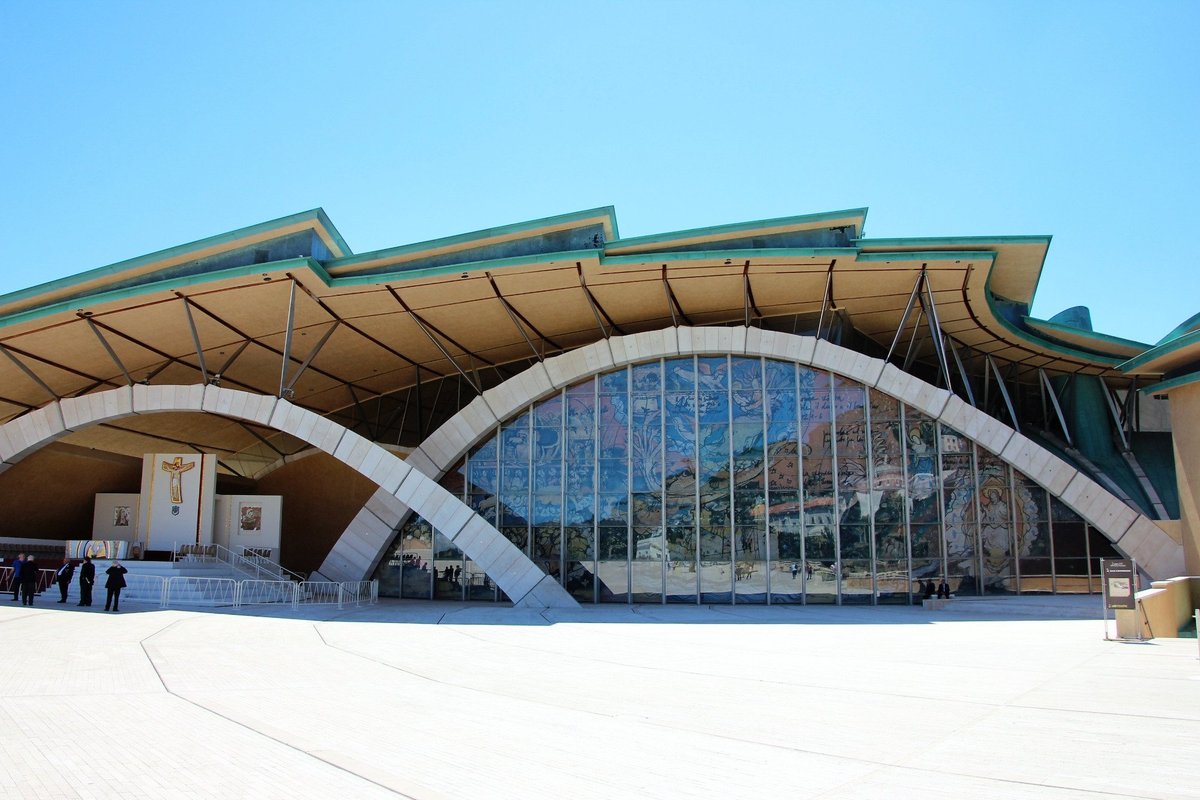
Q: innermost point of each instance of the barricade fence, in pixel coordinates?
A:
(262, 592)
(195, 591)
(141, 588)
(198, 591)
(45, 579)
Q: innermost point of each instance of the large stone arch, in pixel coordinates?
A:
(400, 487)
(1133, 533)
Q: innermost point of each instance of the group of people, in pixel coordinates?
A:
(25, 578)
(927, 590)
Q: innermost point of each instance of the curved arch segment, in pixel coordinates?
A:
(1133, 533)
(400, 487)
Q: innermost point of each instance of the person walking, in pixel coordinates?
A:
(18, 562)
(87, 578)
(114, 584)
(63, 576)
(29, 576)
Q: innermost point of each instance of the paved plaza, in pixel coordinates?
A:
(428, 700)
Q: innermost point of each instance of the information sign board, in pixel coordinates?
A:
(1120, 583)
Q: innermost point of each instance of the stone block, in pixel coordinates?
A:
(390, 471)
(503, 561)
(955, 414)
(755, 339)
(803, 348)
(1116, 517)
(662, 343)
(547, 594)
(598, 356)
(326, 434)
(1092, 502)
(446, 512)
(1055, 474)
(860, 367)
(30, 431)
(827, 356)
(472, 537)
(478, 418)
(374, 457)
(338, 566)
(415, 490)
(241, 405)
(1142, 530)
(490, 545)
(385, 506)
(79, 412)
(992, 434)
(352, 450)
(370, 530)
(1020, 452)
(705, 341)
(152, 399)
(686, 340)
(505, 399)
(769, 344)
(519, 580)
(566, 368)
(897, 383)
(1168, 562)
(535, 383)
(286, 417)
(737, 339)
(928, 399)
(421, 461)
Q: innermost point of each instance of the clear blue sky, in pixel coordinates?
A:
(130, 127)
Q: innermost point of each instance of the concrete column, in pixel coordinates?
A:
(1185, 408)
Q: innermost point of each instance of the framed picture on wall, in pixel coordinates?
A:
(120, 516)
(250, 518)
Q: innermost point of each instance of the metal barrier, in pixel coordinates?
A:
(316, 593)
(184, 590)
(257, 593)
(142, 589)
(358, 592)
(195, 591)
(45, 579)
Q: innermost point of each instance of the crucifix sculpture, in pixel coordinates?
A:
(176, 469)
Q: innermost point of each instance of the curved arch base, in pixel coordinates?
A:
(1133, 533)
(354, 556)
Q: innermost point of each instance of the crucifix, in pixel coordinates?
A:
(176, 469)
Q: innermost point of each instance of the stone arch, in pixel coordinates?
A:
(400, 487)
(1133, 533)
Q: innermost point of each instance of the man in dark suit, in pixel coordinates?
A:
(63, 577)
(29, 577)
(87, 578)
(18, 562)
(114, 584)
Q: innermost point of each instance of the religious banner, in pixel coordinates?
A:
(177, 497)
(115, 516)
(97, 548)
(247, 522)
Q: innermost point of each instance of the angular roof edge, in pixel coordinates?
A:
(95, 279)
(465, 241)
(740, 229)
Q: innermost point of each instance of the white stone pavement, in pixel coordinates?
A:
(446, 701)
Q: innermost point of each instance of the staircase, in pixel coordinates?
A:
(145, 582)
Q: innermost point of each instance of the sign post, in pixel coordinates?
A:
(1119, 584)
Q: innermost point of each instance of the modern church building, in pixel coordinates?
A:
(783, 411)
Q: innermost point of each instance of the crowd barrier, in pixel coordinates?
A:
(225, 592)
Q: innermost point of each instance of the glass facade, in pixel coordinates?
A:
(727, 479)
